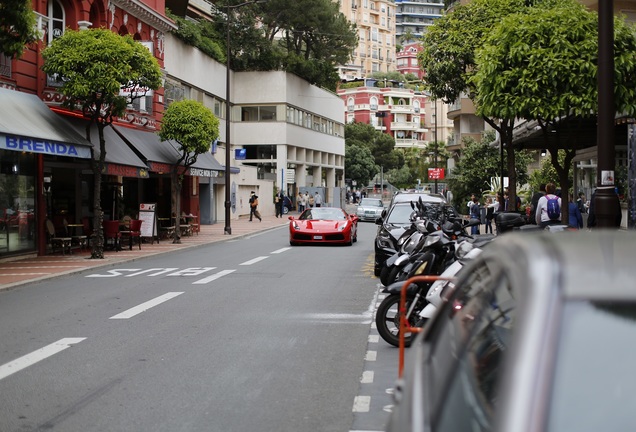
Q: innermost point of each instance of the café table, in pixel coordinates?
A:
(77, 234)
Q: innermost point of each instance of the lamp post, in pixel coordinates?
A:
(435, 101)
(228, 203)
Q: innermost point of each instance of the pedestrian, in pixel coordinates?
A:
(580, 203)
(549, 207)
(278, 203)
(475, 214)
(534, 201)
(309, 199)
(317, 200)
(300, 200)
(491, 208)
(254, 207)
(575, 219)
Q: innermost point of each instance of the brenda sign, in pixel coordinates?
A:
(34, 145)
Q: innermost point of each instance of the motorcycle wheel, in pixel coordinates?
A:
(387, 320)
(384, 275)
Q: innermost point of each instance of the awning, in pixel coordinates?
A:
(120, 159)
(27, 124)
(160, 155)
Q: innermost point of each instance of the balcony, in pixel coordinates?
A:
(409, 143)
(404, 126)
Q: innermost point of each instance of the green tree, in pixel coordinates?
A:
(481, 162)
(93, 67)
(449, 58)
(542, 65)
(17, 26)
(381, 145)
(359, 164)
(193, 126)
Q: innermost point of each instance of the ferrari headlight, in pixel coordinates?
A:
(343, 226)
(296, 227)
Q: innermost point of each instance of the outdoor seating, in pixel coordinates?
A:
(111, 232)
(134, 231)
(79, 239)
(55, 241)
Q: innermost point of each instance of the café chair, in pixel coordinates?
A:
(80, 240)
(111, 232)
(64, 242)
(134, 231)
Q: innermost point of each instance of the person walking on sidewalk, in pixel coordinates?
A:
(254, 207)
(278, 203)
(318, 200)
(475, 214)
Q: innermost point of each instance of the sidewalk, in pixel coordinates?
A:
(35, 268)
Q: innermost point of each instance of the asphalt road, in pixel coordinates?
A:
(243, 335)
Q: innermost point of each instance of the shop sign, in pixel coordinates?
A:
(201, 172)
(34, 145)
(436, 173)
(159, 167)
(125, 171)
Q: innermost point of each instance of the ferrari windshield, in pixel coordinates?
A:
(323, 213)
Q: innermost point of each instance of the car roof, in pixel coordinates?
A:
(597, 265)
(414, 196)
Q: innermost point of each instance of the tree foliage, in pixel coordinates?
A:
(542, 65)
(100, 72)
(381, 145)
(193, 126)
(480, 162)
(17, 26)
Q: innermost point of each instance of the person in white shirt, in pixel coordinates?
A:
(542, 217)
(317, 200)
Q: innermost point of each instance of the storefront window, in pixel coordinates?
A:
(17, 202)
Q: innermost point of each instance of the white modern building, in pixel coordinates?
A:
(289, 134)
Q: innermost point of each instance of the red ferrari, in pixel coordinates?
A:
(323, 225)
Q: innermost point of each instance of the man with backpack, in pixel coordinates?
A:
(549, 207)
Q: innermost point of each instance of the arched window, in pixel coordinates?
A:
(416, 106)
(57, 20)
(350, 105)
(373, 104)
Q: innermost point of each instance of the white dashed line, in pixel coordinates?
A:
(371, 356)
(36, 356)
(213, 277)
(367, 377)
(145, 306)
(374, 338)
(254, 261)
(361, 403)
(281, 250)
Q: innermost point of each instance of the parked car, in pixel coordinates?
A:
(394, 221)
(370, 209)
(320, 225)
(287, 205)
(537, 335)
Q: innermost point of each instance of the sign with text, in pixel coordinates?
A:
(436, 173)
(149, 221)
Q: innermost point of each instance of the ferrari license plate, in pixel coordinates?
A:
(317, 237)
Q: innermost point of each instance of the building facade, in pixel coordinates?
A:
(375, 21)
(412, 17)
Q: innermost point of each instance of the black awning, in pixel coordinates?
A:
(161, 155)
(27, 124)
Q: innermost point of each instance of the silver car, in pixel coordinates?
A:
(538, 335)
(370, 209)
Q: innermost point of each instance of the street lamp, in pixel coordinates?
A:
(435, 100)
(228, 203)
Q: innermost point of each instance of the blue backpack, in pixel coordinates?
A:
(553, 208)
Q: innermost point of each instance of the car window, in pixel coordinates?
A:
(468, 349)
(371, 202)
(594, 379)
(400, 214)
(323, 214)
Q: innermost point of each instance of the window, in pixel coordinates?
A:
(373, 104)
(350, 104)
(56, 18)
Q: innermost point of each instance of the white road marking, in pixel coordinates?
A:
(361, 403)
(371, 356)
(281, 250)
(213, 277)
(367, 377)
(145, 306)
(194, 271)
(254, 261)
(374, 338)
(36, 356)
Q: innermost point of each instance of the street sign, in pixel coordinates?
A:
(436, 173)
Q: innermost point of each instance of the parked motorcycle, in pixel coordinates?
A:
(439, 250)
